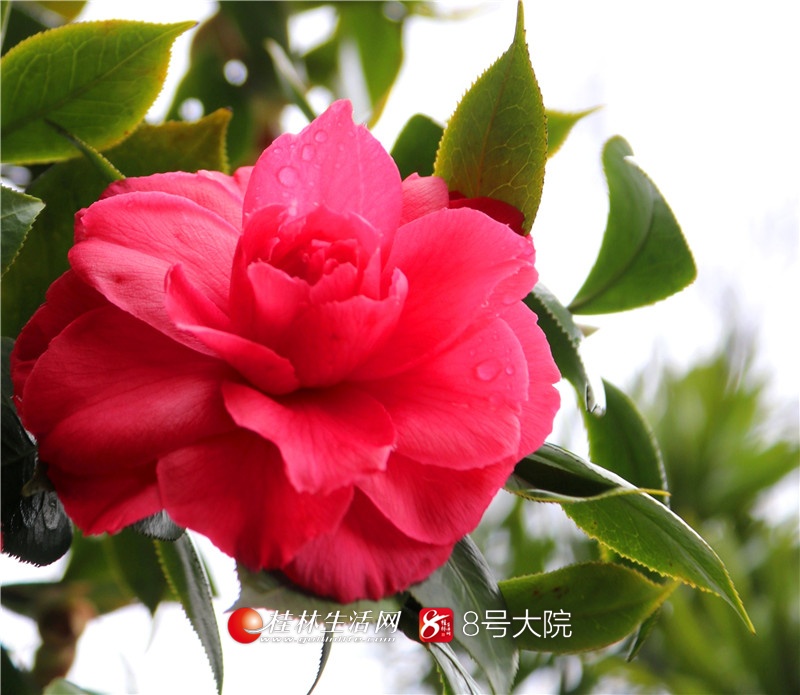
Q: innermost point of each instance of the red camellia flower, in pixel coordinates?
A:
(323, 369)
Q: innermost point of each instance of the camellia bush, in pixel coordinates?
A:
(326, 357)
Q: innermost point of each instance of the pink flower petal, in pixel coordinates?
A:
(112, 392)
(423, 195)
(193, 313)
(127, 243)
(365, 557)
(67, 299)
(329, 438)
(327, 341)
(212, 190)
(543, 399)
(460, 409)
(453, 261)
(109, 500)
(332, 163)
(187, 305)
(430, 503)
(261, 366)
(233, 489)
(265, 302)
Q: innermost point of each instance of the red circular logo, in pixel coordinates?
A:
(241, 620)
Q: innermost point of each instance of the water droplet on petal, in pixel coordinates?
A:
(320, 136)
(488, 370)
(509, 370)
(307, 153)
(288, 176)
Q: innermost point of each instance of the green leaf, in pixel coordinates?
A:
(187, 576)
(495, 144)
(553, 474)
(644, 256)
(456, 680)
(415, 148)
(644, 631)
(17, 213)
(136, 560)
(580, 607)
(621, 441)
(634, 525)
(175, 146)
(95, 79)
(564, 338)
(465, 583)
(327, 646)
(559, 125)
(103, 167)
(69, 186)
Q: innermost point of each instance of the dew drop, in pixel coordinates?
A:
(308, 152)
(488, 370)
(508, 299)
(320, 136)
(287, 176)
(509, 370)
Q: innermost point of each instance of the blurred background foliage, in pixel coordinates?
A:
(731, 453)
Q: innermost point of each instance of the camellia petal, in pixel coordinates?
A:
(411, 495)
(187, 305)
(233, 489)
(111, 391)
(461, 409)
(453, 260)
(329, 340)
(315, 429)
(126, 244)
(423, 195)
(109, 500)
(263, 367)
(541, 406)
(67, 299)
(365, 557)
(332, 163)
(216, 192)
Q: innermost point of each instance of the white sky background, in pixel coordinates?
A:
(706, 94)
